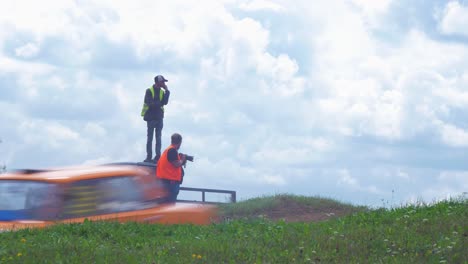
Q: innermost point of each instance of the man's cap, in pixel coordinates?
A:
(159, 78)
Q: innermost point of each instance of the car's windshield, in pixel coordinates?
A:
(24, 199)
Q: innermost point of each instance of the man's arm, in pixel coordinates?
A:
(172, 157)
(165, 98)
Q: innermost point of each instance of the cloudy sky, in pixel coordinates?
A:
(361, 101)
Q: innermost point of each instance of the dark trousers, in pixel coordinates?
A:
(172, 188)
(154, 128)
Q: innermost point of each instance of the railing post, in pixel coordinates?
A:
(233, 197)
(203, 196)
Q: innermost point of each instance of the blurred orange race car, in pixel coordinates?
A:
(39, 198)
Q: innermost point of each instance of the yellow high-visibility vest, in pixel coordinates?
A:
(146, 107)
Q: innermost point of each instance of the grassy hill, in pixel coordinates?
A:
(251, 233)
(290, 208)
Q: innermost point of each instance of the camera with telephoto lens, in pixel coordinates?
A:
(188, 157)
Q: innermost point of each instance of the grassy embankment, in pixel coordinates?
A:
(434, 233)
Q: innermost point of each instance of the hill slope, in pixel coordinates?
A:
(290, 208)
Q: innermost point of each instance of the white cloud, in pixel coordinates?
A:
(453, 136)
(27, 51)
(95, 130)
(436, 194)
(351, 182)
(278, 156)
(347, 179)
(51, 135)
(446, 185)
(282, 70)
(60, 132)
(319, 144)
(454, 19)
(378, 6)
(403, 175)
(256, 5)
(395, 93)
(26, 69)
(46, 18)
(455, 178)
(454, 96)
(276, 180)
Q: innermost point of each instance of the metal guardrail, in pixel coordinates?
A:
(204, 191)
(190, 189)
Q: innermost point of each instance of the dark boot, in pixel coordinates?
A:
(155, 160)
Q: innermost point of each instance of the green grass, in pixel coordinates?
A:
(435, 233)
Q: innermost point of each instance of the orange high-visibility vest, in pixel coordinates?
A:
(166, 170)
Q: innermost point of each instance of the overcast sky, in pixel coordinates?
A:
(361, 101)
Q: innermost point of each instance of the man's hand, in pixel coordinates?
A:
(183, 159)
(179, 162)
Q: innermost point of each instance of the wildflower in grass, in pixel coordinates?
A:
(199, 257)
(19, 254)
(23, 240)
(194, 255)
(425, 220)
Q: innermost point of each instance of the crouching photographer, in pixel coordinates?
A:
(169, 169)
